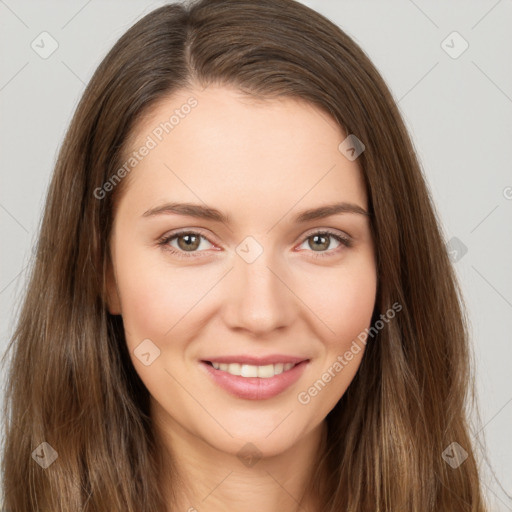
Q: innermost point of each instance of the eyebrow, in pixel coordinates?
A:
(209, 213)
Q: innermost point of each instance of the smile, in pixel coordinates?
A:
(254, 382)
(248, 370)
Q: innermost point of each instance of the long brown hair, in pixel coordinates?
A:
(71, 383)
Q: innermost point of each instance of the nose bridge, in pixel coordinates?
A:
(260, 299)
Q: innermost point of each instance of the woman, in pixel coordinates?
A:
(311, 354)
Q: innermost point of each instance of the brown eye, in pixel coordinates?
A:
(320, 242)
(187, 242)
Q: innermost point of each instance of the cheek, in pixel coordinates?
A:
(155, 301)
(346, 309)
(151, 302)
(345, 302)
(155, 296)
(351, 305)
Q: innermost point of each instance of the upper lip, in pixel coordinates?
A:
(256, 361)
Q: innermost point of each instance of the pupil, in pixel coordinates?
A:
(325, 238)
(188, 242)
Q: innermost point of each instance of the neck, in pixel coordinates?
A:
(206, 479)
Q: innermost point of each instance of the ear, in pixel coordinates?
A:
(113, 300)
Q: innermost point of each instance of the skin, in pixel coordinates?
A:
(261, 162)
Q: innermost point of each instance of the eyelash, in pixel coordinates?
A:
(164, 241)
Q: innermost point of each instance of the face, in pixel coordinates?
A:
(241, 277)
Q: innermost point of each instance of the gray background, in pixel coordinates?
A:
(458, 111)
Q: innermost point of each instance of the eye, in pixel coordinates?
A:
(322, 240)
(189, 241)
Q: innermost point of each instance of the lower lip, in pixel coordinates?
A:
(255, 388)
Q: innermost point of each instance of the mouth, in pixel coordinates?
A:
(254, 382)
(266, 371)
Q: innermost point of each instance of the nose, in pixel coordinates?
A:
(258, 298)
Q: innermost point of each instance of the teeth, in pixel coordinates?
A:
(249, 370)
(279, 368)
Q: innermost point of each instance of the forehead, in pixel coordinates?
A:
(230, 149)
